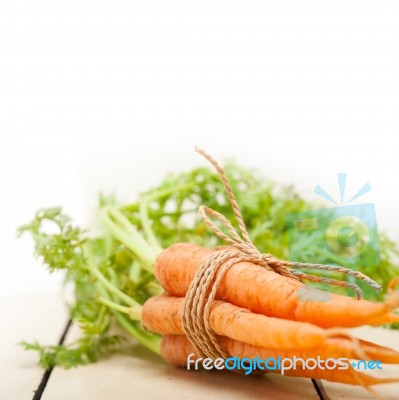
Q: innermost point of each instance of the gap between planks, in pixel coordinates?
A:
(318, 386)
(46, 376)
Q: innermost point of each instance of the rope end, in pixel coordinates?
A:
(199, 150)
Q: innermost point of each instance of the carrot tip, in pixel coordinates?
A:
(357, 345)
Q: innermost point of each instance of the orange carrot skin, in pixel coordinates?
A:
(163, 315)
(264, 292)
(176, 349)
(331, 348)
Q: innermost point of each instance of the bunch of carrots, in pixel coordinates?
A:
(256, 311)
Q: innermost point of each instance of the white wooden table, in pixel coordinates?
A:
(137, 373)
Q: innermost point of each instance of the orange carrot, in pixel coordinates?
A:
(163, 314)
(266, 292)
(331, 348)
(385, 319)
(176, 349)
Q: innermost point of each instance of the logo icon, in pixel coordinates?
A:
(345, 234)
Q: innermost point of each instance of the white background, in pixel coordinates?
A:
(110, 96)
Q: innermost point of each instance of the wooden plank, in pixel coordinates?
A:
(39, 317)
(380, 336)
(140, 374)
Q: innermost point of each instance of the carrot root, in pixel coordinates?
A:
(265, 292)
(163, 315)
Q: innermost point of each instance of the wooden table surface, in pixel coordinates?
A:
(138, 374)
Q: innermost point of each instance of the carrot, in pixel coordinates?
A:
(385, 319)
(266, 292)
(163, 314)
(331, 348)
(382, 353)
(176, 349)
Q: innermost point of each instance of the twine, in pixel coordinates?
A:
(202, 290)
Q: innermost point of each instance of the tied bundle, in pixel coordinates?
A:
(234, 301)
(202, 290)
(216, 302)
